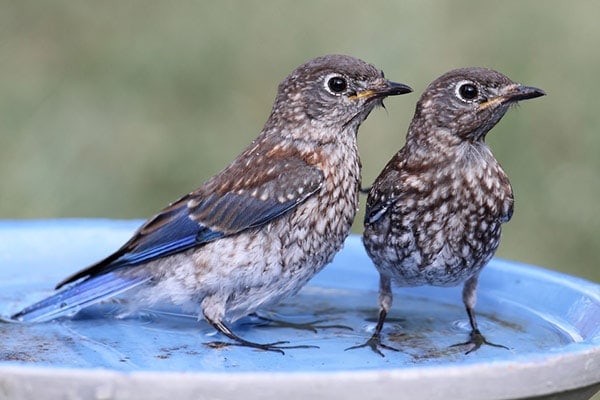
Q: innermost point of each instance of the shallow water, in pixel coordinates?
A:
(525, 309)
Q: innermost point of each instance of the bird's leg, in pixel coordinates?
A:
(385, 302)
(238, 341)
(307, 326)
(476, 338)
(374, 341)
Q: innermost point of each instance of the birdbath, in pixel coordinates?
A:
(549, 321)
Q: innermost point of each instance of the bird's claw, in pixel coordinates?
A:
(476, 340)
(274, 347)
(307, 326)
(375, 344)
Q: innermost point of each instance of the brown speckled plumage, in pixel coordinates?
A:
(257, 231)
(435, 212)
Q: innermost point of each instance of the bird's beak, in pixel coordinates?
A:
(387, 89)
(514, 93)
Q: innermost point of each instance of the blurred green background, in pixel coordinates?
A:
(113, 109)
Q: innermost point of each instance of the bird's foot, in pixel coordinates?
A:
(476, 340)
(306, 326)
(375, 344)
(274, 347)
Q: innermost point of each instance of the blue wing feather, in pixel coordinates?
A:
(80, 295)
(170, 232)
(180, 227)
(180, 233)
(216, 210)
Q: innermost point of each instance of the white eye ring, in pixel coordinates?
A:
(467, 91)
(336, 84)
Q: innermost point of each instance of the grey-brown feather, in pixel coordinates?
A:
(434, 214)
(261, 228)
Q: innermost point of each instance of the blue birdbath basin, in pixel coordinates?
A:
(550, 322)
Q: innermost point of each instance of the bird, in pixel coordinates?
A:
(434, 214)
(257, 231)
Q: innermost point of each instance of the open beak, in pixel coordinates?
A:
(387, 89)
(514, 93)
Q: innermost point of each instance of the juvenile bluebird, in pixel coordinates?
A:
(256, 232)
(434, 214)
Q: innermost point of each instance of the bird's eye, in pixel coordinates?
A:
(337, 84)
(467, 91)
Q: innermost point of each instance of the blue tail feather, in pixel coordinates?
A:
(82, 294)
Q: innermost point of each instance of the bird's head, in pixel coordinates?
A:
(332, 91)
(464, 104)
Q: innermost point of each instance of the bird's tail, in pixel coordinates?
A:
(78, 296)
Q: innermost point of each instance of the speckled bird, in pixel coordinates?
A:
(257, 231)
(434, 214)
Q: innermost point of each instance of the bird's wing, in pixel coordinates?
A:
(385, 192)
(376, 209)
(248, 194)
(226, 205)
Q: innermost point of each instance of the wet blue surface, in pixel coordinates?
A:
(532, 311)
